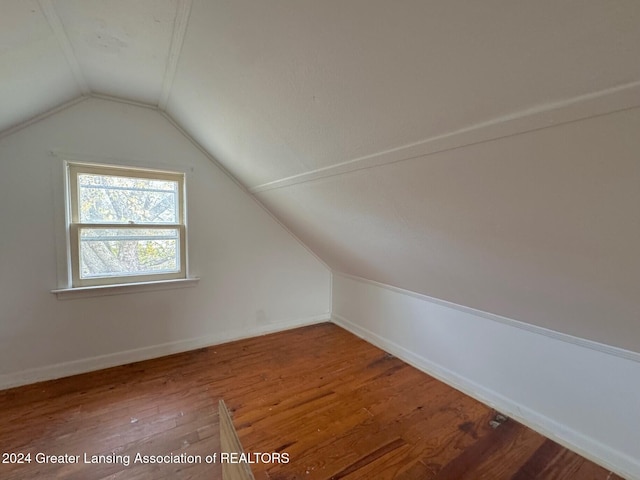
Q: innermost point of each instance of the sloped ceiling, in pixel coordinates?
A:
(484, 153)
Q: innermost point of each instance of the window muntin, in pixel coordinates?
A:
(127, 225)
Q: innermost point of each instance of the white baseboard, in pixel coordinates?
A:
(588, 447)
(66, 369)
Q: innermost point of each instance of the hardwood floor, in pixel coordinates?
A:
(339, 407)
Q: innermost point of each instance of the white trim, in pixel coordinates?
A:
(331, 293)
(183, 10)
(65, 369)
(122, 288)
(197, 145)
(129, 162)
(56, 25)
(604, 102)
(563, 337)
(61, 218)
(571, 439)
(126, 101)
(42, 116)
(62, 210)
(75, 227)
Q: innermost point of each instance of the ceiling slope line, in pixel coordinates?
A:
(42, 116)
(126, 101)
(237, 182)
(592, 105)
(185, 134)
(183, 11)
(56, 25)
(530, 327)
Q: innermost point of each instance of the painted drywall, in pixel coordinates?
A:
(297, 86)
(279, 88)
(542, 226)
(254, 276)
(531, 222)
(583, 395)
(34, 74)
(123, 49)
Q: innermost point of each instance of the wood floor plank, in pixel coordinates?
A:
(339, 407)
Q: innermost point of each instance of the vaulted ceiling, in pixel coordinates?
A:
(485, 153)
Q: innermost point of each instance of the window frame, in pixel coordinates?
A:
(74, 226)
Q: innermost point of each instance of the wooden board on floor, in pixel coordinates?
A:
(331, 404)
(230, 443)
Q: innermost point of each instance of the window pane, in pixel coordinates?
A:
(114, 252)
(113, 199)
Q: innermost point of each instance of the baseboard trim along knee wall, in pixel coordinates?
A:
(581, 394)
(75, 367)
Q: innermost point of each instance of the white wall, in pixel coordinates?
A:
(542, 226)
(255, 276)
(582, 394)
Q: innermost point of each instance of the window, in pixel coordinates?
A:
(125, 225)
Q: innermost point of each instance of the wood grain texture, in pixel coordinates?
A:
(339, 407)
(230, 443)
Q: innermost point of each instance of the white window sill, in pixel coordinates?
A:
(122, 288)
